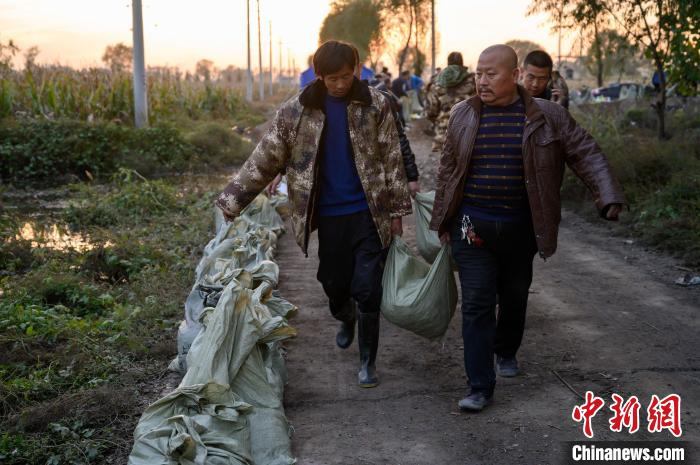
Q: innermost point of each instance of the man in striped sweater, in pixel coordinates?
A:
(498, 203)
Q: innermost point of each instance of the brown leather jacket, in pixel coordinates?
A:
(551, 139)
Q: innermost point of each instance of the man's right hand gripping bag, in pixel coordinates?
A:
(427, 241)
(418, 297)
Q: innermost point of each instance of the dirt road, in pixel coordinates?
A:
(604, 316)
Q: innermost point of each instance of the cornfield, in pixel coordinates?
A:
(94, 94)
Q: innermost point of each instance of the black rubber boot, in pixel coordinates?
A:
(368, 341)
(346, 332)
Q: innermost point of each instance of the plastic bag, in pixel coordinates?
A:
(418, 297)
(427, 241)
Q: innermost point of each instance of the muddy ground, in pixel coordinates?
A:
(604, 316)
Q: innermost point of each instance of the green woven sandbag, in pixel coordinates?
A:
(427, 241)
(418, 297)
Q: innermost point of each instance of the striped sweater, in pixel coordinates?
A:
(495, 189)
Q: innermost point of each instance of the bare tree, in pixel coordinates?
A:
(30, 57)
(523, 47)
(118, 57)
(205, 69)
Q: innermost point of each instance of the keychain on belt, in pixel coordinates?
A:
(468, 232)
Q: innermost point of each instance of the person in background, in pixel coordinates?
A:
(454, 84)
(400, 87)
(541, 81)
(387, 73)
(366, 74)
(307, 76)
(498, 203)
(431, 130)
(337, 142)
(416, 93)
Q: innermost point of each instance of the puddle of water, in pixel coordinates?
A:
(55, 237)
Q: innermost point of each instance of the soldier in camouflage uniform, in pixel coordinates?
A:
(454, 84)
(338, 144)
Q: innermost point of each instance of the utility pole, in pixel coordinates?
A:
(279, 70)
(249, 73)
(561, 14)
(140, 96)
(432, 38)
(270, 57)
(289, 61)
(261, 76)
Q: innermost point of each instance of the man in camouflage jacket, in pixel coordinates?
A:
(454, 84)
(337, 132)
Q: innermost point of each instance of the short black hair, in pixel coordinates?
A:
(331, 56)
(539, 59)
(455, 58)
(355, 52)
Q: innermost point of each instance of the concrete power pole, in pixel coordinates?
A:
(140, 96)
(432, 38)
(561, 14)
(280, 71)
(261, 76)
(270, 74)
(249, 74)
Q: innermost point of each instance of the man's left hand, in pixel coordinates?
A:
(613, 212)
(396, 227)
(413, 188)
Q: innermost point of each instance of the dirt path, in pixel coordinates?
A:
(604, 316)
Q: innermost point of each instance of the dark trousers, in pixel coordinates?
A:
(351, 263)
(499, 269)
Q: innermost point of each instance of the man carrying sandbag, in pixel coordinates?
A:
(338, 144)
(498, 203)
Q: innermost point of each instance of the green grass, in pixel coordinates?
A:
(661, 179)
(81, 331)
(47, 152)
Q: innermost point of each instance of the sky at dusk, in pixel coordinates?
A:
(179, 33)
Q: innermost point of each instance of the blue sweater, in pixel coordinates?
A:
(495, 189)
(341, 190)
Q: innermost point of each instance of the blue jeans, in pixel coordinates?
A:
(499, 269)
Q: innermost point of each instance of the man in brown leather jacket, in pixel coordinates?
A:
(498, 203)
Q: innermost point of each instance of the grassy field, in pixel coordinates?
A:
(91, 296)
(660, 178)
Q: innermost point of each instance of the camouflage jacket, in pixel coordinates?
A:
(292, 145)
(444, 94)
